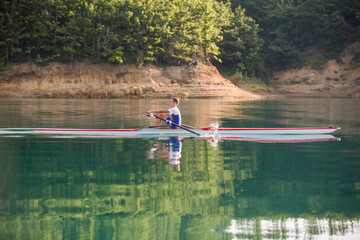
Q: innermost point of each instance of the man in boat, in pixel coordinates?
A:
(175, 115)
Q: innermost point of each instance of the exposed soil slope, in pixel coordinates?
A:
(85, 80)
(337, 78)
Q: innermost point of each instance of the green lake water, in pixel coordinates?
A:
(81, 188)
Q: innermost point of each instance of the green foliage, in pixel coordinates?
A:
(241, 45)
(293, 26)
(356, 61)
(116, 31)
(271, 33)
(114, 56)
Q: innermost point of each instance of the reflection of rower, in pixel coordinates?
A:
(174, 146)
(171, 149)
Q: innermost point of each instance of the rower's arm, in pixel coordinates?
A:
(160, 111)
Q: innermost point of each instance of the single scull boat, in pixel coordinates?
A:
(171, 132)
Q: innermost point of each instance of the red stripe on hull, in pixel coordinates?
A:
(88, 130)
(277, 141)
(262, 129)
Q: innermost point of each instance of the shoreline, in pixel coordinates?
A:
(83, 80)
(338, 78)
(86, 80)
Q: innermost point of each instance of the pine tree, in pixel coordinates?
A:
(241, 45)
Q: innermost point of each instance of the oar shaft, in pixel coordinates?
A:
(187, 126)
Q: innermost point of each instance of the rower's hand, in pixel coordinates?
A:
(149, 114)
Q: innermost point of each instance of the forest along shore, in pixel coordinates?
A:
(104, 80)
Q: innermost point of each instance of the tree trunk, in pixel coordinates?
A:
(107, 38)
(98, 46)
(72, 53)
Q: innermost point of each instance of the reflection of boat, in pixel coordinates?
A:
(170, 132)
(283, 135)
(282, 138)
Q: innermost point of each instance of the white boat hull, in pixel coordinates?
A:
(288, 135)
(238, 131)
(171, 132)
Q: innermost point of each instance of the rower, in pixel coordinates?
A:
(175, 115)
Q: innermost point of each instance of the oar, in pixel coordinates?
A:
(187, 126)
(171, 122)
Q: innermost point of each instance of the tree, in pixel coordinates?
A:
(290, 27)
(241, 45)
(12, 25)
(215, 16)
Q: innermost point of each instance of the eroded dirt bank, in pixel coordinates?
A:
(337, 78)
(86, 80)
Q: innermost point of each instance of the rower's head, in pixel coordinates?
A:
(174, 101)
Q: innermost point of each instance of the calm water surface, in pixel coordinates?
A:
(73, 188)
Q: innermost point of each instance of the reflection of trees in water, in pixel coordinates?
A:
(101, 186)
(108, 189)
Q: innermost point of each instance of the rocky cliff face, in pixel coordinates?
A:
(85, 80)
(337, 78)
